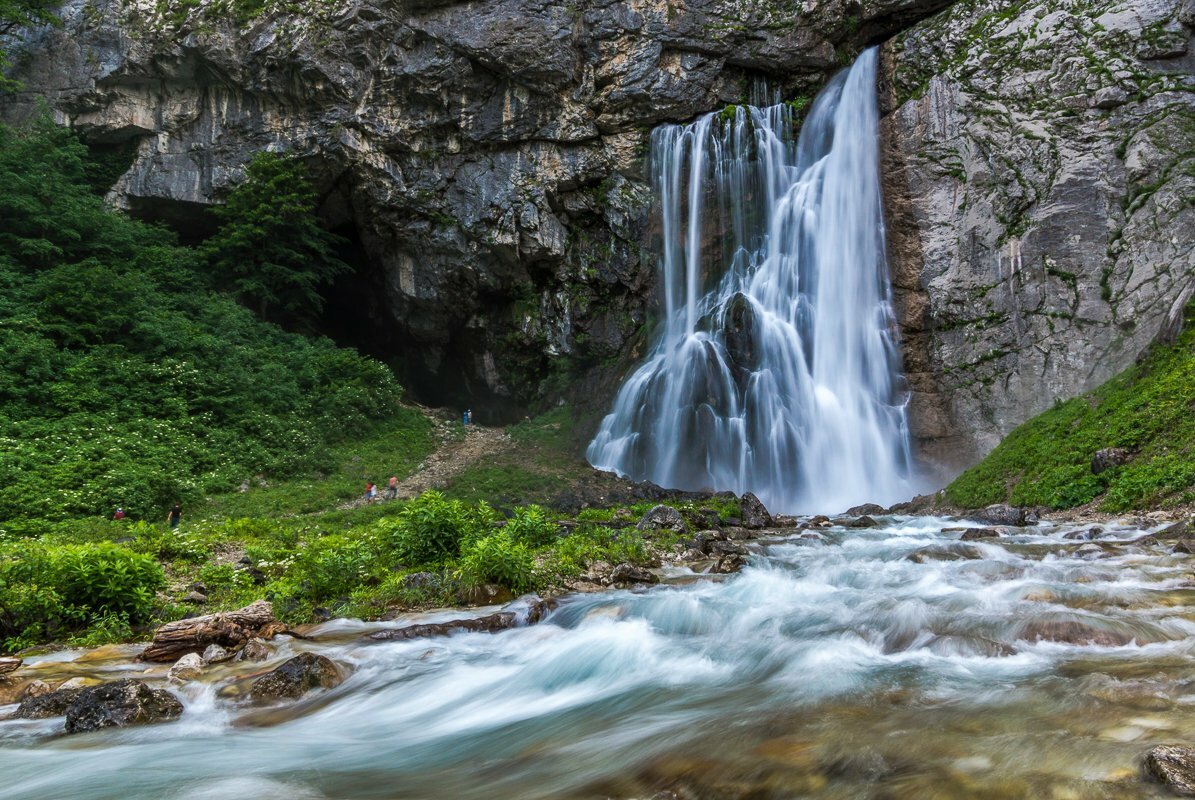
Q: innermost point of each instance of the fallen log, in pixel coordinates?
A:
(229, 629)
(527, 612)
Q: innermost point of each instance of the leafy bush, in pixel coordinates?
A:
(499, 559)
(532, 526)
(429, 530)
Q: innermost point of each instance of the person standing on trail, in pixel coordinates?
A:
(466, 417)
(119, 514)
(392, 488)
(176, 516)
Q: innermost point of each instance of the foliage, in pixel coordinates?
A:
(531, 525)
(499, 559)
(49, 589)
(429, 530)
(127, 379)
(270, 249)
(1149, 410)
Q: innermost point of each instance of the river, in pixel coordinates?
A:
(895, 662)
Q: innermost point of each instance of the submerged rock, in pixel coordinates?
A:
(1173, 765)
(120, 703)
(529, 611)
(628, 573)
(662, 518)
(753, 513)
(51, 704)
(1068, 631)
(862, 522)
(297, 677)
(971, 534)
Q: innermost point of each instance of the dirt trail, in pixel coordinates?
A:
(458, 449)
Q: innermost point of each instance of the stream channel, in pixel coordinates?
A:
(894, 662)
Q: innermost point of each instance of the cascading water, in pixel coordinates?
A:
(777, 369)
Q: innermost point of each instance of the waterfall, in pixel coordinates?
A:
(776, 366)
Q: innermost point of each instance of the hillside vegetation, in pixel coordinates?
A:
(1149, 410)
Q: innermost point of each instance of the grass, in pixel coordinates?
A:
(1149, 410)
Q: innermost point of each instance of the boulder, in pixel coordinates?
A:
(1174, 766)
(1001, 514)
(862, 522)
(1109, 457)
(971, 534)
(728, 548)
(50, 704)
(820, 520)
(296, 677)
(10, 664)
(701, 541)
(121, 703)
(950, 551)
(214, 654)
(727, 564)
(1185, 546)
(871, 509)
(1069, 631)
(628, 573)
(1176, 531)
(35, 688)
(1085, 535)
(662, 518)
(187, 668)
(254, 650)
(1091, 551)
(753, 513)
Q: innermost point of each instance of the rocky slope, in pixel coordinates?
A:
(486, 157)
(1040, 171)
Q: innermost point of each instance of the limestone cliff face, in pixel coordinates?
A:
(1040, 174)
(486, 157)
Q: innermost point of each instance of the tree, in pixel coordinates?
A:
(15, 15)
(271, 250)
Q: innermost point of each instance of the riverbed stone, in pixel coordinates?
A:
(753, 513)
(35, 688)
(9, 664)
(296, 677)
(1174, 766)
(629, 573)
(867, 509)
(214, 654)
(1001, 514)
(187, 668)
(255, 649)
(972, 534)
(119, 704)
(47, 704)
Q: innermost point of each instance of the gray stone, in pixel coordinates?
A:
(47, 704)
(1001, 514)
(971, 534)
(662, 518)
(119, 704)
(296, 677)
(1109, 457)
(187, 668)
(254, 650)
(10, 664)
(214, 654)
(753, 513)
(629, 573)
(1174, 766)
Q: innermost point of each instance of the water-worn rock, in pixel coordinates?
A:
(629, 573)
(1185, 546)
(1173, 765)
(753, 513)
(296, 677)
(51, 704)
(10, 664)
(867, 509)
(971, 534)
(1001, 514)
(527, 611)
(662, 518)
(187, 668)
(1070, 631)
(35, 688)
(1109, 457)
(214, 654)
(1085, 534)
(862, 522)
(118, 704)
(1176, 531)
(254, 650)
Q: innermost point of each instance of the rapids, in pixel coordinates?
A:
(776, 366)
(895, 662)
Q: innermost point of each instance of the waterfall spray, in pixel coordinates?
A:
(776, 368)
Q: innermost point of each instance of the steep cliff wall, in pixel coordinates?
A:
(1040, 175)
(486, 157)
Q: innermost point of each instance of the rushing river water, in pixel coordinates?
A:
(895, 662)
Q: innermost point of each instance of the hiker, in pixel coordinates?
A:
(466, 416)
(368, 491)
(119, 514)
(176, 516)
(392, 488)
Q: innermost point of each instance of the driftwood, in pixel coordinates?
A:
(8, 665)
(230, 629)
(536, 609)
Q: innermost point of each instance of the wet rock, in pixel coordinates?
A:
(35, 688)
(753, 512)
(1085, 535)
(78, 682)
(862, 522)
(951, 551)
(1176, 531)
(120, 703)
(1001, 514)
(1185, 546)
(50, 704)
(214, 654)
(663, 518)
(296, 677)
(1091, 551)
(187, 668)
(254, 650)
(867, 509)
(1069, 631)
(741, 534)
(820, 520)
(972, 534)
(487, 594)
(728, 548)
(1109, 457)
(628, 573)
(1174, 766)
(729, 564)
(10, 664)
(529, 611)
(692, 555)
(701, 541)
(812, 536)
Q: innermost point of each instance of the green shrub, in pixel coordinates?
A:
(430, 530)
(531, 525)
(499, 559)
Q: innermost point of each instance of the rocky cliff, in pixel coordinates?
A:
(487, 161)
(1040, 177)
(486, 158)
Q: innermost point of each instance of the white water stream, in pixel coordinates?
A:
(896, 662)
(776, 369)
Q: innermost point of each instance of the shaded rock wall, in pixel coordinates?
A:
(485, 157)
(1040, 174)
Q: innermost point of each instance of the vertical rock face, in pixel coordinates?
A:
(486, 158)
(1040, 169)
